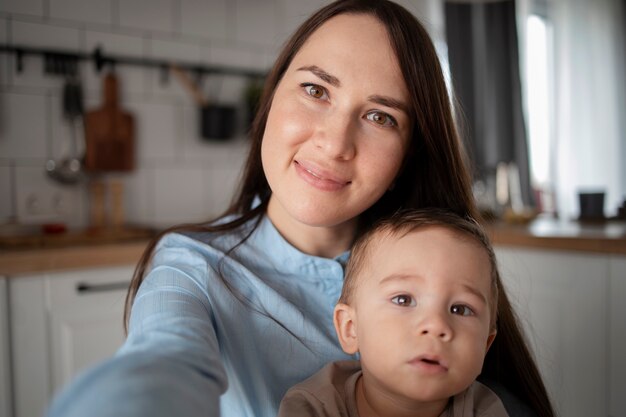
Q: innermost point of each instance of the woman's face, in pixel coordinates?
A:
(339, 126)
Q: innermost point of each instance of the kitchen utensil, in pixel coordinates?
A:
(68, 169)
(106, 205)
(97, 202)
(109, 133)
(216, 121)
(189, 85)
(116, 192)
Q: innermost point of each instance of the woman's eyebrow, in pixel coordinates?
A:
(323, 75)
(389, 102)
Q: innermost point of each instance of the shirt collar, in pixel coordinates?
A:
(279, 251)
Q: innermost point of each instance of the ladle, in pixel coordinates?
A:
(68, 170)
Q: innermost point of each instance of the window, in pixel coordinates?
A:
(538, 86)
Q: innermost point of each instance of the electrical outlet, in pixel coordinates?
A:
(42, 200)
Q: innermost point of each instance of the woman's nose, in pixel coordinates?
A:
(336, 137)
(436, 325)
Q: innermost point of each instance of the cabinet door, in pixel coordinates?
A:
(61, 323)
(85, 316)
(5, 369)
(29, 345)
(561, 299)
(617, 339)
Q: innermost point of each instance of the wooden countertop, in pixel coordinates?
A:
(608, 238)
(32, 251)
(32, 261)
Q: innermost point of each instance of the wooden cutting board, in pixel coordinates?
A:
(109, 133)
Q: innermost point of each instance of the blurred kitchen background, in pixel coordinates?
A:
(563, 107)
(542, 98)
(178, 177)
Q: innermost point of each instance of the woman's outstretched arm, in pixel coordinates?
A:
(170, 363)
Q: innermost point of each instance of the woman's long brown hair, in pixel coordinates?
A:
(434, 173)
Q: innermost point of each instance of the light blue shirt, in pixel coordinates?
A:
(193, 348)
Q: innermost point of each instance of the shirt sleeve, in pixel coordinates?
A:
(170, 363)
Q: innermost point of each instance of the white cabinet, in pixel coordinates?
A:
(562, 300)
(617, 340)
(5, 367)
(60, 324)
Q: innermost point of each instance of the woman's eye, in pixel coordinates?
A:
(314, 90)
(403, 300)
(461, 310)
(380, 118)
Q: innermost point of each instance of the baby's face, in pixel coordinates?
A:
(422, 315)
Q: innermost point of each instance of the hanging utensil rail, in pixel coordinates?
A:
(100, 60)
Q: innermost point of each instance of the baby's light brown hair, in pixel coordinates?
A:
(407, 221)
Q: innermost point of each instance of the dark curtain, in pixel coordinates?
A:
(484, 64)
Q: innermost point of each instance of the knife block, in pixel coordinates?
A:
(97, 204)
(106, 204)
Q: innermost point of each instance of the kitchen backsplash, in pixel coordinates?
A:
(178, 176)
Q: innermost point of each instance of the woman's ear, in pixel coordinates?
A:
(490, 338)
(345, 326)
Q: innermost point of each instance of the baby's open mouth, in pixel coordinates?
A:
(431, 363)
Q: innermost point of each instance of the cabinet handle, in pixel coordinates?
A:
(83, 288)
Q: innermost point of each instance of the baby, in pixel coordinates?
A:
(419, 305)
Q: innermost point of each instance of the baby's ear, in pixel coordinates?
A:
(345, 326)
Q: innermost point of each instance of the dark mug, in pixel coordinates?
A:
(217, 122)
(591, 205)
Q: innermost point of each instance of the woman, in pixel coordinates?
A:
(354, 124)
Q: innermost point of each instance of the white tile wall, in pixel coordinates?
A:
(44, 35)
(221, 182)
(179, 195)
(262, 60)
(208, 19)
(6, 195)
(221, 55)
(256, 21)
(92, 11)
(158, 127)
(31, 7)
(42, 200)
(139, 197)
(151, 15)
(23, 122)
(226, 89)
(179, 176)
(296, 12)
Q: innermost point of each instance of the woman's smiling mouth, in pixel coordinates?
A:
(318, 177)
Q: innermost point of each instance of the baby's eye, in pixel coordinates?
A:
(461, 310)
(314, 90)
(403, 300)
(381, 118)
